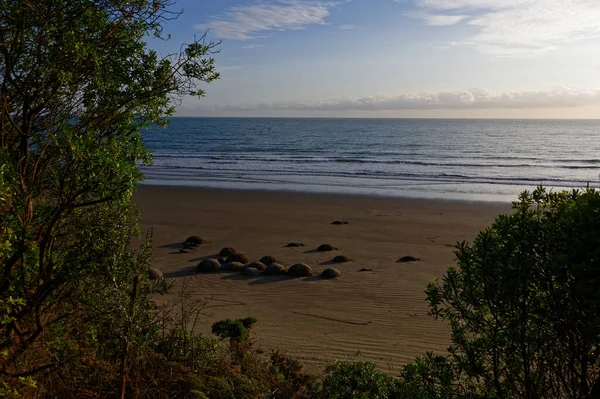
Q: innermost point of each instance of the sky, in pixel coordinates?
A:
(396, 58)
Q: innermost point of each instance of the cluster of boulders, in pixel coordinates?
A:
(230, 260)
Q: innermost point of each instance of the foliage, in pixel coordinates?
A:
(77, 85)
(356, 380)
(288, 379)
(236, 330)
(523, 302)
(178, 340)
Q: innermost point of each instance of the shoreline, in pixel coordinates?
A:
(417, 196)
(380, 313)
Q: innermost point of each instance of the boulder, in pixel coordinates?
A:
(340, 259)
(267, 260)
(294, 245)
(257, 265)
(405, 259)
(225, 252)
(274, 269)
(300, 270)
(193, 241)
(232, 267)
(331, 273)
(237, 258)
(208, 266)
(325, 247)
(154, 274)
(250, 272)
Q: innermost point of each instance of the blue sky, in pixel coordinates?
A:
(397, 58)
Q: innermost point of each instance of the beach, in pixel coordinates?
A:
(378, 315)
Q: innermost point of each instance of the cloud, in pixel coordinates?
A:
(249, 21)
(347, 27)
(558, 97)
(252, 46)
(517, 27)
(437, 19)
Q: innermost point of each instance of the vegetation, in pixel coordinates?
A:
(523, 301)
(77, 86)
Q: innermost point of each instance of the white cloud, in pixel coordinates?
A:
(347, 27)
(559, 97)
(437, 19)
(249, 21)
(519, 27)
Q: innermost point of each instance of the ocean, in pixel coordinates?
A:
(489, 160)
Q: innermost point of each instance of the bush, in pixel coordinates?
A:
(356, 380)
(524, 300)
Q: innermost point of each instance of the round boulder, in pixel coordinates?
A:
(154, 274)
(274, 269)
(405, 259)
(340, 259)
(232, 267)
(331, 273)
(325, 247)
(237, 258)
(294, 245)
(225, 252)
(267, 260)
(193, 241)
(257, 265)
(250, 272)
(208, 266)
(300, 270)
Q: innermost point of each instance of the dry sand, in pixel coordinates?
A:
(381, 314)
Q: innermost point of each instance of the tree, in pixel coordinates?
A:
(77, 85)
(524, 300)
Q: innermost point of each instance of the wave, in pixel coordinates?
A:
(358, 176)
(238, 159)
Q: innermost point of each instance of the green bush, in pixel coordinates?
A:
(236, 330)
(356, 380)
(524, 301)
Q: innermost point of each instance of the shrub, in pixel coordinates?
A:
(524, 300)
(356, 380)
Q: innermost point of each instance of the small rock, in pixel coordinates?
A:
(225, 252)
(237, 258)
(186, 250)
(341, 259)
(300, 270)
(267, 260)
(154, 274)
(339, 222)
(208, 266)
(331, 273)
(257, 265)
(325, 247)
(365, 270)
(294, 245)
(405, 259)
(274, 269)
(193, 241)
(251, 272)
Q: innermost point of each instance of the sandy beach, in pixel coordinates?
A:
(380, 314)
